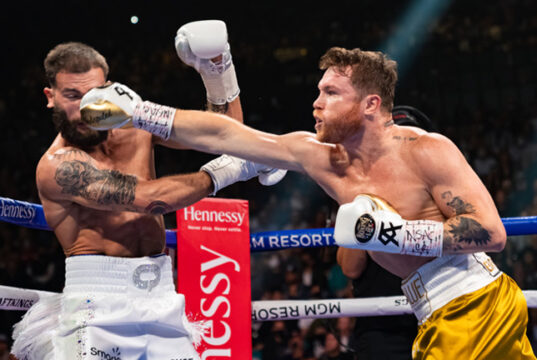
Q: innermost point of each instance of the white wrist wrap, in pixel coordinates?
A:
(423, 238)
(221, 88)
(154, 118)
(368, 223)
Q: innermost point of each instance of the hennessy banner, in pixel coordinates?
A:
(213, 271)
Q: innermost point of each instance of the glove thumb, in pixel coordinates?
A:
(272, 176)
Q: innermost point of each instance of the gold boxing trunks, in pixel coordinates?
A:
(458, 321)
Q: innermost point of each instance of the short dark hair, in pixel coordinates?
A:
(73, 57)
(372, 71)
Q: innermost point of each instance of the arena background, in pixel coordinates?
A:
(470, 65)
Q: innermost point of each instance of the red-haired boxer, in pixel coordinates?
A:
(445, 219)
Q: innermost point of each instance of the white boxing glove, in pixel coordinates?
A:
(226, 170)
(114, 105)
(200, 41)
(370, 223)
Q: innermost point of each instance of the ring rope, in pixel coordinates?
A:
(12, 298)
(31, 215)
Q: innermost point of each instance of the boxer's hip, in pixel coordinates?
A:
(445, 278)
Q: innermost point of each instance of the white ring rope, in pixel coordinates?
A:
(12, 298)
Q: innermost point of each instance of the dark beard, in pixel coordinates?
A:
(69, 131)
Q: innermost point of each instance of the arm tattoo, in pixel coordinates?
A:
(457, 204)
(464, 231)
(105, 187)
(158, 208)
(222, 109)
(405, 138)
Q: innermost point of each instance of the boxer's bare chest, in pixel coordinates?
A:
(390, 177)
(395, 179)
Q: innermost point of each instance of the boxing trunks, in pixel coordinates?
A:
(467, 309)
(111, 308)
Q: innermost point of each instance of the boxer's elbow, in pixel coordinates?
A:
(498, 238)
(170, 193)
(352, 262)
(151, 199)
(351, 272)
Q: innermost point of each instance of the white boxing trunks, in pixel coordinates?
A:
(111, 308)
(445, 278)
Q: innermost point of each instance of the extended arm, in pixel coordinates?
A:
(216, 133)
(115, 105)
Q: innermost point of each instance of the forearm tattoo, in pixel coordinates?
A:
(105, 187)
(222, 109)
(463, 231)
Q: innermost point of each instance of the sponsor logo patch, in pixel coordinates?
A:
(364, 228)
(114, 354)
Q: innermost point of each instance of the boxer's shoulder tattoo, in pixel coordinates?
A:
(464, 231)
(105, 187)
(222, 109)
(458, 205)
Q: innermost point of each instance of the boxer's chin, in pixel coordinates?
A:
(76, 132)
(337, 132)
(341, 128)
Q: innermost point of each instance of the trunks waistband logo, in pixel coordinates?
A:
(146, 277)
(115, 354)
(487, 264)
(414, 289)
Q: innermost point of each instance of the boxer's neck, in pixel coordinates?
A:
(371, 141)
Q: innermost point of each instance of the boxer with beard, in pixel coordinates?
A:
(101, 197)
(75, 132)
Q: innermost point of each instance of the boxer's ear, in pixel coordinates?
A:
(49, 93)
(372, 104)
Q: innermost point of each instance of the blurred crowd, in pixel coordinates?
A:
(474, 76)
